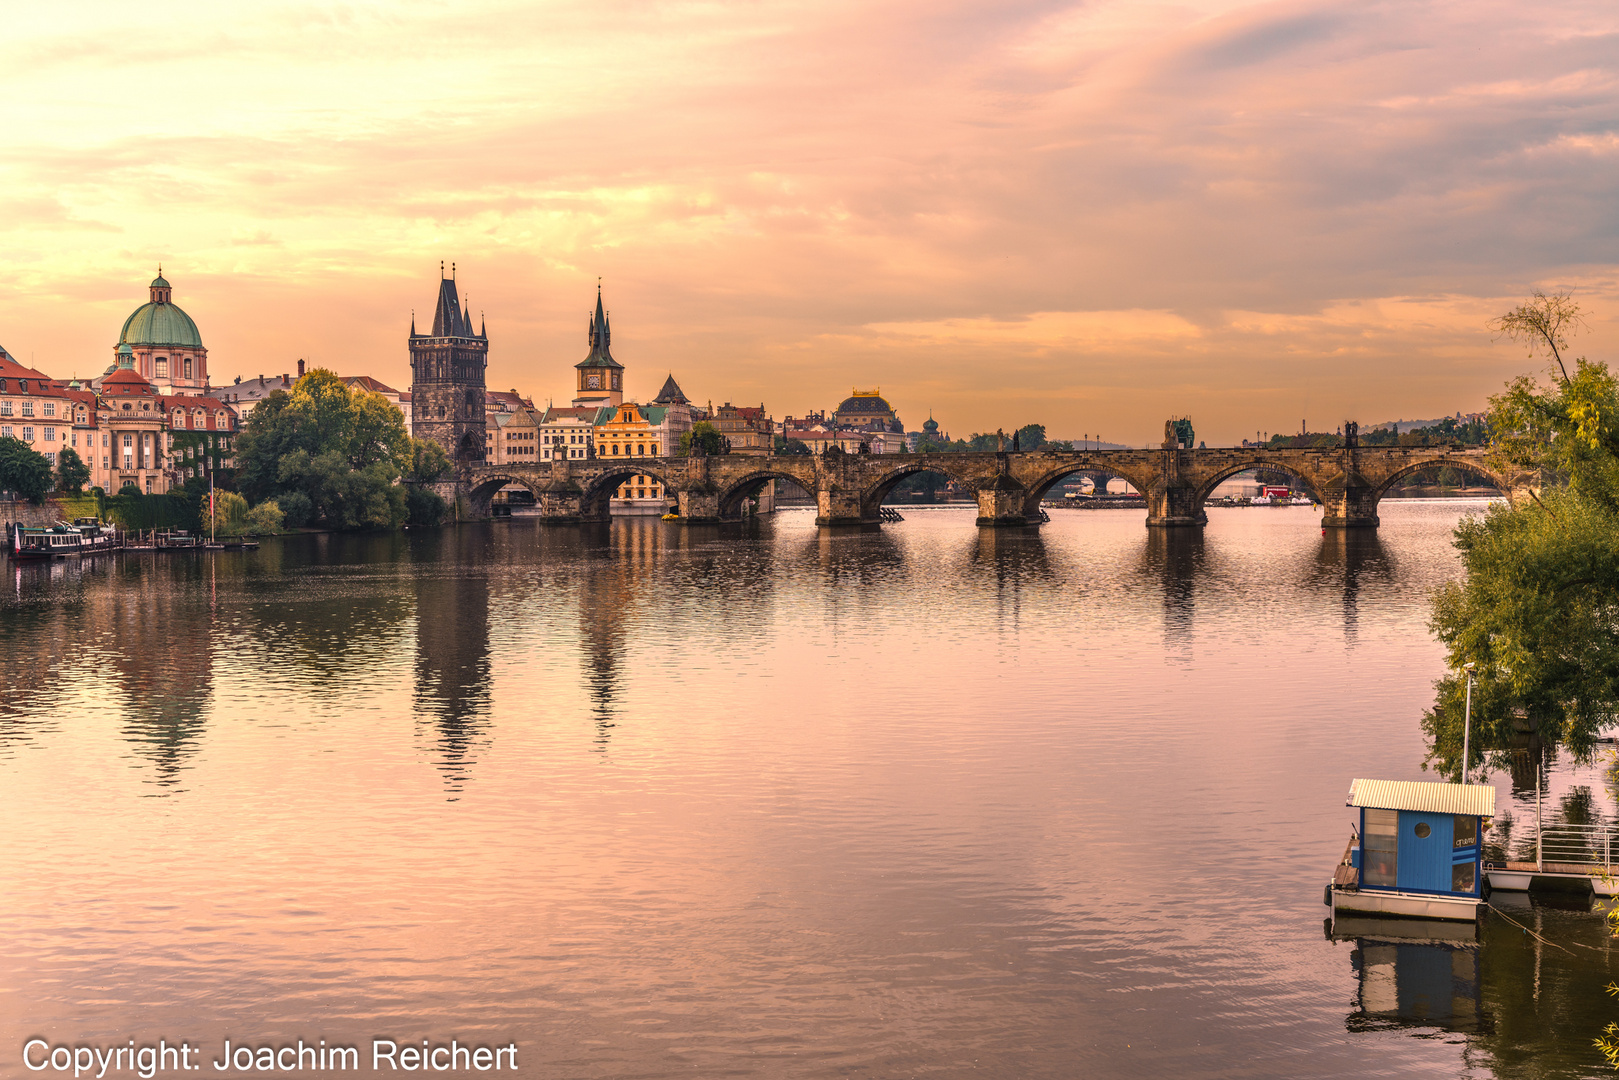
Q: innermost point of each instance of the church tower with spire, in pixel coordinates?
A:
(601, 378)
(447, 379)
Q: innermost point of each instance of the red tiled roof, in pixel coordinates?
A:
(210, 407)
(126, 381)
(374, 385)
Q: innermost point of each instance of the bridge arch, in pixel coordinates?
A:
(596, 500)
(1442, 461)
(871, 499)
(482, 491)
(749, 484)
(1309, 483)
(1082, 465)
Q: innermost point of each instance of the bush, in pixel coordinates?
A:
(264, 518)
(296, 508)
(23, 471)
(426, 506)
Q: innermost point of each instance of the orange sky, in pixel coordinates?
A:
(1090, 216)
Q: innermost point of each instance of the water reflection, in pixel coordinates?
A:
(1351, 559)
(1176, 558)
(1414, 975)
(452, 691)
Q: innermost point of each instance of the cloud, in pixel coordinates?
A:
(785, 197)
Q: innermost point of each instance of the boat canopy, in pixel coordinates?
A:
(1424, 796)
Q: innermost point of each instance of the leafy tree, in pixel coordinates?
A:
(785, 445)
(337, 448)
(1538, 610)
(264, 518)
(230, 514)
(1031, 436)
(428, 461)
(296, 509)
(71, 472)
(424, 506)
(1059, 444)
(703, 438)
(23, 471)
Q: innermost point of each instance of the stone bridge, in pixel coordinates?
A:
(849, 489)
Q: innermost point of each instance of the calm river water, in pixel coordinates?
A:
(754, 802)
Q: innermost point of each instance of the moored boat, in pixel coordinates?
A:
(1417, 852)
(56, 542)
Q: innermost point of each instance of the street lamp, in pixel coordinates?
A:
(1467, 718)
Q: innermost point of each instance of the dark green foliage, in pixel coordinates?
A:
(785, 445)
(136, 511)
(703, 438)
(71, 472)
(425, 506)
(1031, 436)
(330, 454)
(22, 471)
(1538, 611)
(297, 508)
(428, 461)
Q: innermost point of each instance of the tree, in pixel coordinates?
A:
(264, 518)
(1544, 324)
(230, 514)
(23, 471)
(785, 445)
(428, 461)
(1538, 608)
(1031, 436)
(71, 472)
(328, 452)
(703, 439)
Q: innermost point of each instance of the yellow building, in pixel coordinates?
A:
(634, 431)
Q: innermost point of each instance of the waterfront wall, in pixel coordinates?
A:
(48, 512)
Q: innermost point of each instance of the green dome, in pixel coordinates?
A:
(160, 324)
(159, 282)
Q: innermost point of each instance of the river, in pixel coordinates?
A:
(754, 801)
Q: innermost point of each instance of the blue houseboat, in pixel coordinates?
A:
(1418, 852)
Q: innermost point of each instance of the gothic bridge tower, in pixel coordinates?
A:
(447, 379)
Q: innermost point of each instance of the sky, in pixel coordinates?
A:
(1092, 216)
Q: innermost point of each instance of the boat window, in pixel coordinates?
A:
(1379, 847)
(1466, 830)
(1461, 877)
(1422, 830)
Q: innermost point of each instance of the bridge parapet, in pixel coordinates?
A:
(849, 489)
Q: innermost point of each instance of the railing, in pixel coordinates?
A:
(1584, 847)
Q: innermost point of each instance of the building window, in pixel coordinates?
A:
(27, 434)
(28, 408)
(50, 456)
(162, 367)
(179, 418)
(5, 408)
(50, 434)
(104, 464)
(5, 432)
(105, 439)
(188, 367)
(50, 408)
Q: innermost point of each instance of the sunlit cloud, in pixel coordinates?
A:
(1008, 212)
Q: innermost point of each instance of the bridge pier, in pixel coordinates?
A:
(698, 506)
(560, 503)
(1174, 507)
(1003, 502)
(1350, 508)
(837, 506)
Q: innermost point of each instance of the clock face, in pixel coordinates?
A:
(593, 382)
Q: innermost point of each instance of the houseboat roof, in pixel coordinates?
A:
(1424, 796)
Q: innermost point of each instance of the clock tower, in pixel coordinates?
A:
(601, 378)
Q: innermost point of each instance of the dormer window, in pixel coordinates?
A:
(22, 386)
(179, 418)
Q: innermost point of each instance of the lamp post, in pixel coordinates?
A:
(1467, 718)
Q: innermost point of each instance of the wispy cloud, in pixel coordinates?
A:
(1203, 209)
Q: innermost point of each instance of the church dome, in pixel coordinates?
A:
(931, 426)
(160, 322)
(865, 403)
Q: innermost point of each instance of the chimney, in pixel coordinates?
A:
(300, 369)
(286, 380)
